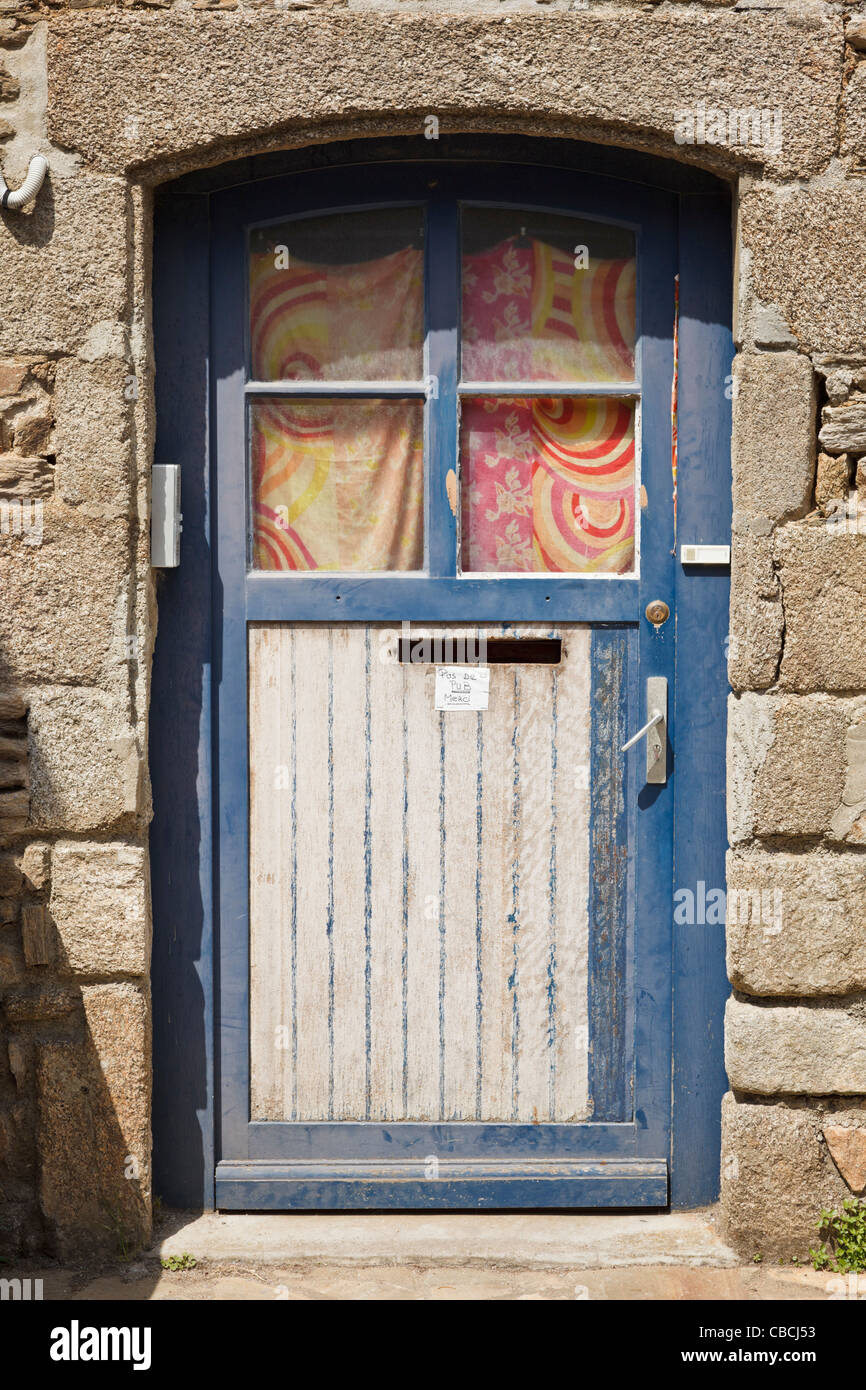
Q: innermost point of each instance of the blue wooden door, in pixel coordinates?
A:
(446, 956)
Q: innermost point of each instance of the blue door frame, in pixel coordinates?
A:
(207, 1150)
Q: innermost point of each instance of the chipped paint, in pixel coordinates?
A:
(414, 927)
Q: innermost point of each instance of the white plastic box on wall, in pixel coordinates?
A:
(165, 517)
(705, 554)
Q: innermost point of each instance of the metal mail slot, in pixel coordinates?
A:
(495, 651)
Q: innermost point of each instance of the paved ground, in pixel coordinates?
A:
(429, 1257)
(269, 1282)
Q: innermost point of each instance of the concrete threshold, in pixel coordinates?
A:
(527, 1240)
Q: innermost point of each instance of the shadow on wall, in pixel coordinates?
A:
(93, 1189)
(74, 1075)
(74, 1028)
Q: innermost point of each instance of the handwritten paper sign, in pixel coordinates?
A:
(462, 687)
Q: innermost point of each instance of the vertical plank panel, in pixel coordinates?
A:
(388, 886)
(314, 873)
(461, 956)
(534, 835)
(514, 816)
(352, 761)
(180, 718)
(425, 894)
(700, 694)
(271, 925)
(608, 886)
(496, 944)
(570, 881)
(419, 885)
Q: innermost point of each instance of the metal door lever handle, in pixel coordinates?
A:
(655, 731)
(657, 717)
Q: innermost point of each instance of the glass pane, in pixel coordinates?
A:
(548, 484)
(338, 484)
(338, 298)
(546, 298)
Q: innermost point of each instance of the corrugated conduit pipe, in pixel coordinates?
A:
(29, 188)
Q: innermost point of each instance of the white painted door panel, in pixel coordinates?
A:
(419, 883)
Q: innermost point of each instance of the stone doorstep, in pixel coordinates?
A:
(596, 1240)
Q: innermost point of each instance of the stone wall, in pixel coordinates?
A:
(122, 96)
(77, 632)
(794, 1125)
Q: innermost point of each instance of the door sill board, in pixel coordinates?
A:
(269, 1185)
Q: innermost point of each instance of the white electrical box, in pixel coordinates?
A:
(165, 517)
(705, 554)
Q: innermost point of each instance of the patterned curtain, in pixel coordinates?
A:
(547, 483)
(338, 484)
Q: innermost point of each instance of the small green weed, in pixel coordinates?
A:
(179, 1262)
(843, 1245)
